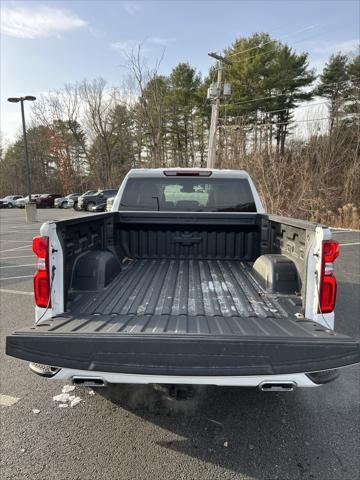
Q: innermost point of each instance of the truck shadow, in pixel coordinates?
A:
(262, 435)
(307, 434)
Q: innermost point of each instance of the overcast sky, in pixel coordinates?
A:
(47, 44)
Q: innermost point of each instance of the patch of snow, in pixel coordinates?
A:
(75, 401)
(63, 398)
(68, 388)
(224, 286)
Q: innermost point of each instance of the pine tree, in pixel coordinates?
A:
(268, 81)
(183, 111)
(352, 107)
(334, 85)
(291, 74)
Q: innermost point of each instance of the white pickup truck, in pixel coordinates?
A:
(186, 281)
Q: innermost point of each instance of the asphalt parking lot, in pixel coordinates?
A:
(134, 433)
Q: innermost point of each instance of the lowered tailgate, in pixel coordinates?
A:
(182, 345)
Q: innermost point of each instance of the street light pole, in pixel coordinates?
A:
(26, 150)
(30, 208)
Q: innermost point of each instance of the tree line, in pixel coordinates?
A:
(88, 134)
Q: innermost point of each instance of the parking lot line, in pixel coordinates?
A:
(16, 248)
(8, 400)
(15, 278)
(18, 266)
(17, 292)
(20, 231)
(19, 256)
(348, 244)
(14, 241)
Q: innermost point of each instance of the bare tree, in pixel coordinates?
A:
(99, 103)
(148, 112)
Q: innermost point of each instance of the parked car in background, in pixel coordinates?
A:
(21, 202)
(62, 202)
(9, 201)
(99, 208)
(72, 203)
(88, 202)
(109, 203)
(46, 200)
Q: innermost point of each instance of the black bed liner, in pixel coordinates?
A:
(184, 302)
(194, 288)
(184, 317)
(189, 354)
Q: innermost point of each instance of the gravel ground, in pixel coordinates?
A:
(134, 433)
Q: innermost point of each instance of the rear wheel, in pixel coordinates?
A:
(63, 205)
(90, 206)
(75, 206)
(10, 205)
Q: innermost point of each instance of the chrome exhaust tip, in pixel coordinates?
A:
(277, 386)
(89, 382)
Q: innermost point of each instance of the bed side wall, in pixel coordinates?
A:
(292, 238)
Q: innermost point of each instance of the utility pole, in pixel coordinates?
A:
(211, 161)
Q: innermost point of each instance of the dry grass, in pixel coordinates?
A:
(315, 180)
(345, 217)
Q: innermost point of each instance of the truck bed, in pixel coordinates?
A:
(182, 300)
(182, 296)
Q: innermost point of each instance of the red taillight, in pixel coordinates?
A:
(42, 288)
(40, 246)
(41, 278)
(327, 294)
(330, 252)
(187, 173)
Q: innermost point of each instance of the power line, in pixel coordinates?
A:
(284, 109)
(272, 41)
(280, 123)
(272, 49)
(283, 94)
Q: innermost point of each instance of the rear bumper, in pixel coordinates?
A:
(66, 374)
(183, 355)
